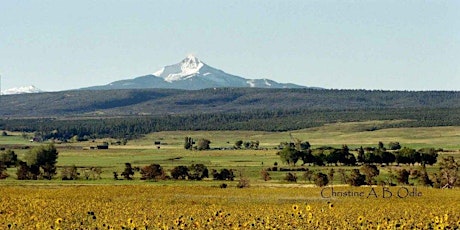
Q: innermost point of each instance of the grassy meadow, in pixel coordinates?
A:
(247, 163)
(273, 204)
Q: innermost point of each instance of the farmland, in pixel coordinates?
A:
(204, 207)
(182, 204)
(249, 162)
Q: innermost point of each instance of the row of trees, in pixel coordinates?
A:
(446, 177)
(291, 153)
(181, 172)
(203, 144)
(240, 144)
(40, 163)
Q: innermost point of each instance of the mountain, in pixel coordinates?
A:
(193, 74)
(22, 90)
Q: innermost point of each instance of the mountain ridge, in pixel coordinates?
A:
(192, 74)
(164, 102)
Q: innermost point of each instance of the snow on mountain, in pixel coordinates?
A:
(21, 90)
(192, 74)
(185, 69)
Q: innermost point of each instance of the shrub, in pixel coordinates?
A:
(223, 185)
(203, 144)
(308, 175)
(24, 172)
(9, 158)
(403, 176)
(69, 173)
(424, 179)
(152, 172)
(243, 183)
(370, 171)
(290, 177)
(265, 175)
(321, 179)
(225, 174)
(3, 173)
(356, 178)
(93, 173)
(394, 146)
(198, 172)
(180, 172)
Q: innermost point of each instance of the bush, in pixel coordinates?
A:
(356, 178)
(180, 172)
(198, 172)
(403, 176)
(308, 175)
(203, 144)
(321, 179)
(24, 172)
(265, 175)
(3, 174)
(223, 185)
(290, 177)
(152, 172)
(243, 183)
(225, 174)
(9, 158)
(69, 173)
(394, 146)
(93, 172)
(370, 171)
(424, 179)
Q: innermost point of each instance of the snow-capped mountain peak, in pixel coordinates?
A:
(191, 62)
(21, 90)
(185, 69)
(192, 74)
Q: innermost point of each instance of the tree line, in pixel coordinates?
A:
(446, 176)
(40, 163)
(258, 120)
(292, 152)
(113, 103)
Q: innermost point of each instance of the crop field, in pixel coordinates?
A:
(198, 207)
(181, 204)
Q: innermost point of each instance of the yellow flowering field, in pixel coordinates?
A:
(153, 206)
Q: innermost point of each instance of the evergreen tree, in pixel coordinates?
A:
(44, 158)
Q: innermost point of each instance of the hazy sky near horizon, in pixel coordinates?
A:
(387, 44)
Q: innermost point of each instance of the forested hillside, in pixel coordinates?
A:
(113, 103)
(130, 113)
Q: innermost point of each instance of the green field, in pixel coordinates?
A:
(247, 163)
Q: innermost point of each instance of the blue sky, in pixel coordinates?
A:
(390, 45)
